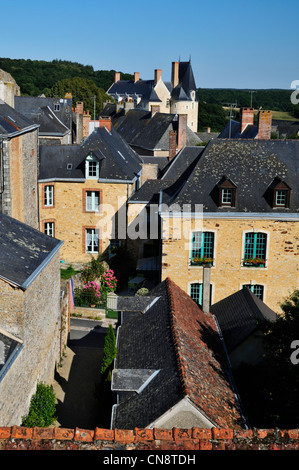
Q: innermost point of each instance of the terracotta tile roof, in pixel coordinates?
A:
(201, 359)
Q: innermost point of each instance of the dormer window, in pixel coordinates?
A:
(91, 167)
(226, 193)
(280, 193)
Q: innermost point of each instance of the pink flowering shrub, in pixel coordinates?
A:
(108, 282)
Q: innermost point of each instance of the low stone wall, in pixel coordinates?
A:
(20, 438)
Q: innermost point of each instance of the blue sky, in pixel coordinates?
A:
(231, 44)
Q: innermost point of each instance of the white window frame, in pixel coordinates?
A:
(49, 195)
(91, 159)
(92, 235)
(92, 201)
(49, 228)
(267, 248)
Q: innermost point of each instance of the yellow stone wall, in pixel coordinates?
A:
(71, 219)
(279, 278)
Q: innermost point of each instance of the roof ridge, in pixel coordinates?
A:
(175, 337)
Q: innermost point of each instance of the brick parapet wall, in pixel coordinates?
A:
(21, 438)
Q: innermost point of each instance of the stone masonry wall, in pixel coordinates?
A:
(20, 438)
(71, 218)
(279, 278)
(34, 317)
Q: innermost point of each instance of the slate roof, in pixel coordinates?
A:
(31, 107)
(186, 83)
(287, 128)
(12, 122)
(182, 345)
(117, 160)
(139, 129)
(238, 316)
(142, 88)
(252, 165)
(233, 130)
(49, 124)
(24, 251)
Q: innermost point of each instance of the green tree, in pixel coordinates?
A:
(109, 352)
(82, 90)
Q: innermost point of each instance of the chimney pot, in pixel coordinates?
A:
(116, 77)
(264, 125)
(136, 76)
(247, 117)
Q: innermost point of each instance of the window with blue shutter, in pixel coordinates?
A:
(196, 292)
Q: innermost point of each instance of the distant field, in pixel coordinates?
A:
(283, 115)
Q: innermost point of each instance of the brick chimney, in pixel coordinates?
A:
(116, 77)
(105, 122)
(182, 131)
(264, 125)
(172, 144)
(175, 74)
(158, 75)
(79, 107)
(136, 76)
(206, 289)
(247, 117)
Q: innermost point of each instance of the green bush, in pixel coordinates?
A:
(42, 407)
(109, 352)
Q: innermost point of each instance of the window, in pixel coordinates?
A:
(91, 167)
(255, 249)
(196, 292)
(91, 240)
(280, 198)
(227, 192)
(56, 107)
(202, 249)
(92, 201)
(49, 228)
(49, 196)
(256, 289)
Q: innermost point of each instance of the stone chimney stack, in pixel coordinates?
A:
(247, 117)
(105, 122)
(155, 108)
(264, 125)
(116, 77)
(175, 74)
(158, 75)
(182, 131)
(136, 76)
(206, 289)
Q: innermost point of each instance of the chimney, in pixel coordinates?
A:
(154, 109)
(175, 74)
(158, 75)
(247, 117)
(116, 77)
(79, 107)
(182, 131)
(105, 122)
(136, 77)
(172, 145)
(264, 125)
(206, 289)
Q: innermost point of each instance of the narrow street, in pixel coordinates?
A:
(83, 400)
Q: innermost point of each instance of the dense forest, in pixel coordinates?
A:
(36, 77)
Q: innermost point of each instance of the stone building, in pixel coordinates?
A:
(18, 166)
(177, 96)
(84, 190)
(235, 207)
(30, 319)
(8, 88)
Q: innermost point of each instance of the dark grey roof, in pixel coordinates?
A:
(162, 162)
(182, 164)
(11, 347)
(24, 251)
(48, 123)
(12, 122)
(134, 303)
(117, 160)
(149, 192)
(252, 165)
(238, 316)
(143, 88)
(140, 129)
(186, 83)
(145, 342)
(233, 130)
(285, 128)
(30, 106)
